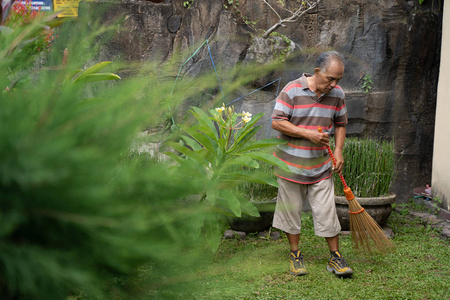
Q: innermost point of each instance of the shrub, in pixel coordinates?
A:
(76, 207)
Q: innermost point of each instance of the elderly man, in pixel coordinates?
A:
(303, 105)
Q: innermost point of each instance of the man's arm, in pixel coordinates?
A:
(339, 134)
(290, 129)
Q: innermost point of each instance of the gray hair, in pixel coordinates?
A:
(325, 58)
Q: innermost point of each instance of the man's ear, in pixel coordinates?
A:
(316, 71)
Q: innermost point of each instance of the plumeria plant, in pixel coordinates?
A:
(216, 148)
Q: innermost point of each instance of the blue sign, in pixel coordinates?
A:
(45, 5)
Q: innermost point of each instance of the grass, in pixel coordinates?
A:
(255, 268)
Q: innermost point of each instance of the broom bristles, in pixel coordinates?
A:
(365, 231)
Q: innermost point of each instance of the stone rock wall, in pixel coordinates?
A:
(397, 42)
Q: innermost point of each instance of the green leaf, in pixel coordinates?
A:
(205, 121)
(234, 178)
(263, 144)
(242, 161)
(191, 143)
(71, 75)
(196, 168)
(189, 153)
(268, 158)
(244, 139)
(248, 208)
(213, 232)
(233, 203)
(204, 130)
(96, 77)
(248, 127)
(208, 155)
(175, 157)
(201, 138)
(221, 207)
(94, 69)
(211, 192)
(196, 227)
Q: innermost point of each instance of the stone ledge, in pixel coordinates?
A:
(440, 220)
(267, 234)
(442, 213)
(231, 234)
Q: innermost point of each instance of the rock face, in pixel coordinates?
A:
(396, 42)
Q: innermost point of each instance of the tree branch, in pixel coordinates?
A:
(272, 9)
(293, 18)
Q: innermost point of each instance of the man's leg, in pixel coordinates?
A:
(296, 264)
(288, 218)
(288, 210)
(337, 263)
(326, 223)
(293, 241)
(333, 243)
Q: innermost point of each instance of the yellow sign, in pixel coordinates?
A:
(68, 8)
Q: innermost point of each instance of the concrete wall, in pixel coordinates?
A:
(441, 157)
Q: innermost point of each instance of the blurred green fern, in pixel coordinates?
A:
(77, 205)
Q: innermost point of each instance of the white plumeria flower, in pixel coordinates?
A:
(246, 114)
(246, 119)
(220, 109)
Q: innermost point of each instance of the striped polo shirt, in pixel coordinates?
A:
(308, 162)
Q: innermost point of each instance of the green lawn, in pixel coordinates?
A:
(418, 268)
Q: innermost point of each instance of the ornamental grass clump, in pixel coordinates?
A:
(369, 168)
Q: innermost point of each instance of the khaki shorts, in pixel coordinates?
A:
(320, 195)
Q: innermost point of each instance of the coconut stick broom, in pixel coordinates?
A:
(365, 231)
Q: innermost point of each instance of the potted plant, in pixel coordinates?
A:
(370, 170)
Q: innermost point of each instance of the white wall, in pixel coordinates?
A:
(441, 156)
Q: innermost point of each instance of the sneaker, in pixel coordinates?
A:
(338, 265)
(297, 267)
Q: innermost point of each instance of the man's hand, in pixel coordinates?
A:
(319, 138)
(339, 161)
(290, 129)
(339, 138)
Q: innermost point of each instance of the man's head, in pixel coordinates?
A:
(328, 71)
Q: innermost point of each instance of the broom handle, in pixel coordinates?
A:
(334, 160)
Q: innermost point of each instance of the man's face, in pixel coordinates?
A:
(326, 79)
